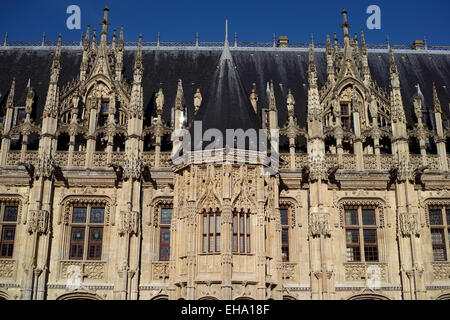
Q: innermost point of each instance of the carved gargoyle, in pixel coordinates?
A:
(331, 172)
(118, 170)
(393, 174)
(58, 174)
(305, 174)
(418, 173)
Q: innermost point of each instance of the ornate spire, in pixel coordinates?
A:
(121, 42)
(436, 102)
(272, 102)
(10, 101)
(138, 62)
(179, 96)
(363, 43)
(328, 44)
(114, 38)
(56, 64)
(345, 26)
(105, 21)
(86, 39)
(392, 65)
(312, 71)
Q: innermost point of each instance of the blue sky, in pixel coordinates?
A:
(253, 20)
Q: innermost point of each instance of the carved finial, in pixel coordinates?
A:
(254, 99)
(86, 39)
(43, 39)
(121, 42)
(179, 96)
(235, 39)
(272, 102)
(328, 44)
(392, 65)
(197, 100)
(436, 102)
(226, 33)
(345, 26)
(290, 101)
(387, 41)
(10, 101)
(5, 41)
(312, 67)
(138, 67)
(105, 22)
(363, 42)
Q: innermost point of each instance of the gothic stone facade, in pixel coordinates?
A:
(93, 207)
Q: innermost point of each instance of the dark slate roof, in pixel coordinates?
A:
(227, 103)
(197, 68)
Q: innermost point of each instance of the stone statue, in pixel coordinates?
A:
(159, 101)
(254, 100)
(197, 100)
(290, 101)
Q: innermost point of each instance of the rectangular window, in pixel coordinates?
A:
(361, 235)
(439, 246)
(77, 243)
(86, 238)
(211, 232)
(241, 232)
(284, 215)
(165, 244)
(164, 241)
(7, 241)
(439, 222)
(95, 243)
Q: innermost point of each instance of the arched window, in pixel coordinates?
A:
(211, 231)
(86, 236)
(241, 231)
(361, 234)
(440, 229)
(8, 222)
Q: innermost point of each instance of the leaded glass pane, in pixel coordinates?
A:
(165, 235)
(97, 215)
(435, 217)
(437, 236)
(96, 234)
(78, 234)
(166, 215)
(368, 217)
(352, 236)
(284, 236)
(79, 214)
(10, 214)
(284, 216)
(439, 254)
(218, 224)
(370, 236)
(351, 217)
(8, 233)
(353, 254)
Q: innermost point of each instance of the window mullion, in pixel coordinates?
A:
(361, 235)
